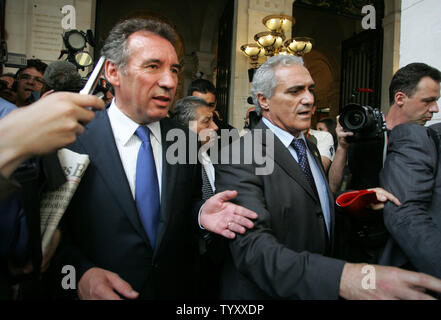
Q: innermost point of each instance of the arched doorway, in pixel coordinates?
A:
(331, 24)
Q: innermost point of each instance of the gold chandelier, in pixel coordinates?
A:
(272, 42)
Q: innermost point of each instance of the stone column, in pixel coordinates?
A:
(391, 48)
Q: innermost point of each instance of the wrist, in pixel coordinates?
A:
(351, 280)
(10, 158)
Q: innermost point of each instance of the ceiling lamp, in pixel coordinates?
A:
(270, 41)
(280, 23)
(252, 51)
(299, 46)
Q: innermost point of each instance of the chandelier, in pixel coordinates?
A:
(273, 42)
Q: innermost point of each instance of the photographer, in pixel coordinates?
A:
(413, 93)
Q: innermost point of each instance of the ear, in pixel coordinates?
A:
(112, 73)
(400, 98)
(263, 101)
(314, 108)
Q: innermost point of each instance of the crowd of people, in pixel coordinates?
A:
(141, 226)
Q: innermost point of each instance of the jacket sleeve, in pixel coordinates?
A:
(410, 174)
(280, 272)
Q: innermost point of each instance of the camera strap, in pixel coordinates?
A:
(386, 142)
(386, 139)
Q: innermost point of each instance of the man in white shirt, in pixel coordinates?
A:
(132, 222)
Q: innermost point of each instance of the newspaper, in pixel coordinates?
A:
(54, 203)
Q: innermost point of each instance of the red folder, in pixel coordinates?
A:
(357, 203)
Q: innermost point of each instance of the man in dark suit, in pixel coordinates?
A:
(115, 239)
(413, 173)
(287, 254)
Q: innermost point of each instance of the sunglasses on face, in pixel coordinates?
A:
(25, 76)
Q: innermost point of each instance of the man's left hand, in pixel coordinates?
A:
(225, 218)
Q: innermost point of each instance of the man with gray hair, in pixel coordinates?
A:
(195, 113)
(133, 221)
(287, 255)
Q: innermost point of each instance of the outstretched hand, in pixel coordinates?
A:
(385, 283)
(225, 218)
(100, 284)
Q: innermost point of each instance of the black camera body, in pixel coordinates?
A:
(365, 122)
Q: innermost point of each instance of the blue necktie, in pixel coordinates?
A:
(300, 147)
(147, 187)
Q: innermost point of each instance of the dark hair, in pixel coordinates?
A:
(407, 78)
(39, 65)
(202, 86)
(331, 124)
(9, 74)
(184, 110)
(63, 76)
(115, 47)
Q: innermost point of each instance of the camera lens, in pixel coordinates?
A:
(356, 118)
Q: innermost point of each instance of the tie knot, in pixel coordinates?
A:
(143, 133)
(299, 146)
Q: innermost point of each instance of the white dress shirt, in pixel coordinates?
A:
(128, 144)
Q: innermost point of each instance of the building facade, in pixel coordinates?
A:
(212, 31)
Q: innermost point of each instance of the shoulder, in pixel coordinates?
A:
(436, 127)
(409, 133)
(321, 135)
(6, 107)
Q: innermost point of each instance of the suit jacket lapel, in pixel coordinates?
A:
(169, 173)
(315, 153)
(285, 160)
(99, 143)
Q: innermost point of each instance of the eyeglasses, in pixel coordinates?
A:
(25, 76)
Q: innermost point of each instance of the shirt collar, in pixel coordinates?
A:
(124, 127)
(285, 137)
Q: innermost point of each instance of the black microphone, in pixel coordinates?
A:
(63, 76)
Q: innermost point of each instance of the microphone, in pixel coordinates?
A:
(63, 76)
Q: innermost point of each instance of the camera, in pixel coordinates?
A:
(365, 122)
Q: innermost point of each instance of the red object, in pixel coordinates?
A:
(365, 90)
(357, 203)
